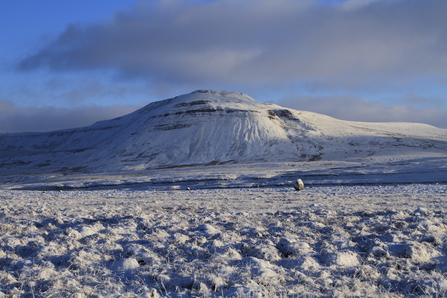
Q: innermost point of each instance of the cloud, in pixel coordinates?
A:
(18, 119)
(353, 44)
(422, 101)
(75, 89)
(353, 108)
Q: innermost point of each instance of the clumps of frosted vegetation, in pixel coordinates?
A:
(118, 251)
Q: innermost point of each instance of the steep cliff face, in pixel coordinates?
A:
(211, 127)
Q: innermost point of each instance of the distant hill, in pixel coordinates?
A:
(209, 127)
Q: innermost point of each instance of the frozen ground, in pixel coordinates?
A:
(87, 213)
(325, 241)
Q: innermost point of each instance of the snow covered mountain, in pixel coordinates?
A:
(208, 127)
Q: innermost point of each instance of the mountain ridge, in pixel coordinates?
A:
(212, 127)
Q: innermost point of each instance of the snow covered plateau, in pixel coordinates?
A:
(209, 127)
(193, 197)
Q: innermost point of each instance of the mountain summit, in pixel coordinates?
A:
(208, 127)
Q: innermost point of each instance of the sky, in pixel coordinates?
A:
(66, 64)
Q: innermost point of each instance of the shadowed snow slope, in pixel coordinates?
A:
(213, 127)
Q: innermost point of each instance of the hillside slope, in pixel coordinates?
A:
(213, 127)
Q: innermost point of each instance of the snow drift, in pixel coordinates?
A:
(208, 127)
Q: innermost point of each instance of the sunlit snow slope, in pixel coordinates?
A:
(213, 127)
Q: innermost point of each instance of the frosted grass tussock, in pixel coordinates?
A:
(79, 244)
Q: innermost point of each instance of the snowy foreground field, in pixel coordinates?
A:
(324, 241)
(193, 196)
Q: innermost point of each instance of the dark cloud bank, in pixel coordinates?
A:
(347, 107)
(19, 119)
(268, 42)
(256, 45)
